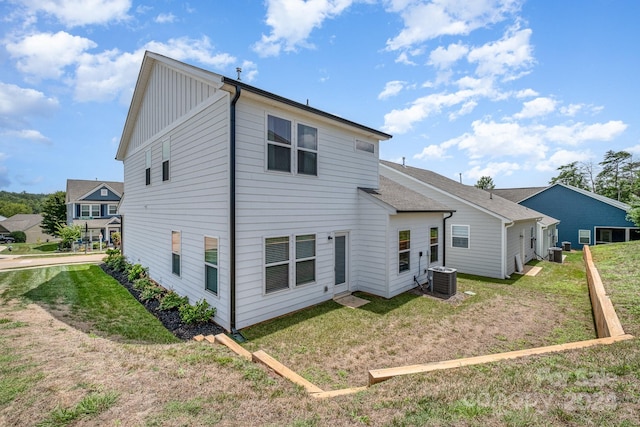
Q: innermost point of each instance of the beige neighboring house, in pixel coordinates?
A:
(93, 205)
(27, 223)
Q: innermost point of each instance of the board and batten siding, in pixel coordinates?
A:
(273, 204)
(194, 201)
(169, 95)
(419, 224)
(485, 253)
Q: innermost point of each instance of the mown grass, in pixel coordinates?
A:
(85, 295)
(30, 248)
(89, 406)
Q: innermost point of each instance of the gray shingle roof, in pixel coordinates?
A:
(517, 195)
(76, 188)
(22, 222)
(403, 199)
(472, 195)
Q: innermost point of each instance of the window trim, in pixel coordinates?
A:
(115, 209)
(291, 262)
(580, 242)
(306, 259)
(432, 245)
(361, 150)
(166, 157)
(402, 252)
(216, 266)
(91, 207)
(468, 236)
(299, 148)
(177, 253)
(274, 143)
(104, 192)
(266, 265)
(147, 164)
(295, 148)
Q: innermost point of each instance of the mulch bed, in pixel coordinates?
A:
(169, 318)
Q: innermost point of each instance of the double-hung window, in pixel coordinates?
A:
(584, 237)
(90, 211)
(147, 165)
(404, 250)
(433, 244)
(279, 144)
(166, 155)
(276, 258)
(113, 209)
(305, 259)
(460, 236)
(211, 264)
(307, 150)
(176, 250)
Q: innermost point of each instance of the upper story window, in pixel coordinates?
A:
(281, 144)
(460, 236)
(147, 165)
(113, 209)
(166, 154)
(104, 192)
(89, 211)
(365, 146)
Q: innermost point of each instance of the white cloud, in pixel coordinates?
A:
(392, 88)
(249, 71)
(504, 57)
(633, 150)
(292, 21)
(46, 55)
(427, 20)
(73, 13)
(466, 108)
(492, 169)
(526, 93)
(403, 58)
(563, 157)
(445, 57)
(536, 108)
(165, 18)
(432, 152)
(17, 104)
(28, 134)
(578, 133)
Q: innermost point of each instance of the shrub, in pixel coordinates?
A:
(198, 313)
(151, 292)
(172, 300)
(135, 272)
(19, 236)
(115, 260)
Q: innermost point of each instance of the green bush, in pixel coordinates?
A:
(142, 283)
(198, 313)
(151, 292)
(115, 260)
(172, 300)
(19, 236)
(135, 272)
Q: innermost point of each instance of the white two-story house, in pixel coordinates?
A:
(259, 204)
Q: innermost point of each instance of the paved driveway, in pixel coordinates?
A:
(13, 261)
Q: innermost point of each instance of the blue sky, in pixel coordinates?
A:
(506, 88)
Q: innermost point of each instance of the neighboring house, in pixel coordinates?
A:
(259, 204)
(487, 235)
(93, 205)
(29, 224)
(587, 218)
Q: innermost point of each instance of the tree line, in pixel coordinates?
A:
(20, 203)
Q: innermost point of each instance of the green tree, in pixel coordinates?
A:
(618, 176)
(571, 174)
(9, 209)
(68, 234)
(634, 213)
(54, 213)
(485, 183)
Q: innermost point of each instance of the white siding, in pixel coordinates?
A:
(485, 253)
(519, 238)
(273, 204)
(194, 201)
(168, 96)
(371, 259)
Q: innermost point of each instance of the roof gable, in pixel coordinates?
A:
(80, 189)
(22, 222)
(600, 198)
(403, 199)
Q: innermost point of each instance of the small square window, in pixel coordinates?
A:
(584, 237)
(104, 192)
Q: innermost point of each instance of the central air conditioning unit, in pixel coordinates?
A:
(444, 280)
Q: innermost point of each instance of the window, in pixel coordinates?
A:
(365, 146)
(90, 211)
(433, 244)
(404, 246)
(113, 209)
(104, 192)
(279, 144)
(584, 237)
(276, 256)
(305, 259)
(175, 252)
(166, 154)
(147, 165)
(460, 236)
(211, 264)
(533, 237)
(307, 150)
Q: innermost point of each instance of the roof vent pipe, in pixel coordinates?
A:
(239, 71)
(403, 165)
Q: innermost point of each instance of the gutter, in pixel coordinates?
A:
(505, 249)
(235, 334)
(444, 234)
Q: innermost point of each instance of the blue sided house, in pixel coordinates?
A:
(585, 218)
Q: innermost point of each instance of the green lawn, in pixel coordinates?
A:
(85, 294)
(30, 248)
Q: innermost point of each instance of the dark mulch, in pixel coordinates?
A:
(169, 318)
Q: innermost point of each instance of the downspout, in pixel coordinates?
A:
(506, 248)
(232, 216)
(444, 233)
